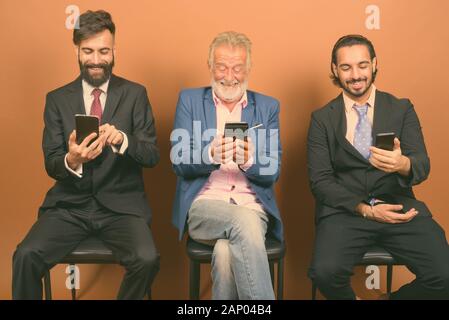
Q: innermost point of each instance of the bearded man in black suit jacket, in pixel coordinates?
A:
(364, 194)
(99, 187)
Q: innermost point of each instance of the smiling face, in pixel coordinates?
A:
(229, 72)
(355, 71)
(96, 58)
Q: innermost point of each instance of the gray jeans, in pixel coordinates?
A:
(240, 268)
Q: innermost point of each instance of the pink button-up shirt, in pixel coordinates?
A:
(229, 182)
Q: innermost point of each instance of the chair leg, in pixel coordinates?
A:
(389, 278)
(47, 285)
(194, 280)
(280, 293)
(271, 263)
(73, 281)
(313, 291)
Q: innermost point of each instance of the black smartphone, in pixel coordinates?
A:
(385, 141)
(237, 130)
(85, 125)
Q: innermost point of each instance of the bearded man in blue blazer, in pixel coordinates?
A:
(224, 194)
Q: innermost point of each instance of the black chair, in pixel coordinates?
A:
(89, 251)
(200, 253)
(375, 256)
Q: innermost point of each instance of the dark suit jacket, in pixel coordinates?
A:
(340, 178)
(114, 180)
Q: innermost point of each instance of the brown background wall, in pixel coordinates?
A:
(163, 45)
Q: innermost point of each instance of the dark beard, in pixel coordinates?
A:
(96, 81)
(359, 94)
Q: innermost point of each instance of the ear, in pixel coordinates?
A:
(77, 51)
(374, 64)
(248, 70)
(334, 70)
(209, 66)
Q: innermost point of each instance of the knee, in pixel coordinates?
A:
(250, 227)
(326, 274)
(25, 254)
(147, 260)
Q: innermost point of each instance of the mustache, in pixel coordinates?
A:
(351, 81)
(99, 65)
(229, 83)
(99, 79)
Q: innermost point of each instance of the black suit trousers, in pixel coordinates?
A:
(59, 230)
(342, 240)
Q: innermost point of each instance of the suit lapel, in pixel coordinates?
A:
(248, 111)
(381, 115)
(338, 120)
(75, 97)
(112, 100)
(210, 112)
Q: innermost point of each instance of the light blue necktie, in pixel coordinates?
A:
(362, 135)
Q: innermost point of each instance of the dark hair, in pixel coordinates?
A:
(91, 23)
(349, 41)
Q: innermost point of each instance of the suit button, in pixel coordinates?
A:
(232, 188)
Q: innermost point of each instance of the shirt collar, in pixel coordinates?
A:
(87, 88)
(349, 103)
(243, 101)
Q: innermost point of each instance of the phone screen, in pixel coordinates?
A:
(237, 130)
(85, 125)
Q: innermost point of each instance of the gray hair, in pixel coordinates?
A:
(233, 39)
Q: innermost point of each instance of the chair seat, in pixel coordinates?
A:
(203, 253)
(377, 256)
(91, 250)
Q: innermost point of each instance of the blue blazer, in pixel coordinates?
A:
(193, 173)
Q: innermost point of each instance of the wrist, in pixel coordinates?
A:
(405, 167)
(71, 162)
(369, 211)
(122, 139)
(365, 210)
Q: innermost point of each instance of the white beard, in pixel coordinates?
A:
(229, 93)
